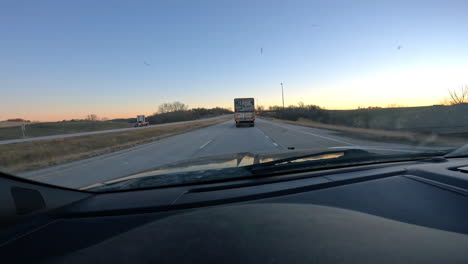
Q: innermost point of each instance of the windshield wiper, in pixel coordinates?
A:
(313, 161)
(335, 158)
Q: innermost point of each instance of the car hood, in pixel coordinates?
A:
(230, 164)
(208, 163)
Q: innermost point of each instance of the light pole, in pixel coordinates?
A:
(282, 94)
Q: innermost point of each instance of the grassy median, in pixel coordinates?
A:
(43, 153)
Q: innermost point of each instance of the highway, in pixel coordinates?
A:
(9, 141)
(223, 138)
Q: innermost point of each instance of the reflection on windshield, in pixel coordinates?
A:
(320, 157)
(237, 160)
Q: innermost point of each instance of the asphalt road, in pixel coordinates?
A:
(97, 132)
(223, 138)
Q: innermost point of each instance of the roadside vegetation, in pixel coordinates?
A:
(178, 112)
(43, 153)
(57, 128)
(12, 123)
(186, 115)
(445, 124)
(389, 136)
(426, 119)
(449, 117)
(167, 113)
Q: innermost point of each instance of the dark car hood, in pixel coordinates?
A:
(209, 163)
(231, 165)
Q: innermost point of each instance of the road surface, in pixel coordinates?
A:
(98, 132)
(223, 138)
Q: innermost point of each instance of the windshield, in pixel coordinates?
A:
(94, 93)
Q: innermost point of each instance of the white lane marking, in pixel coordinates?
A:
(297, 130)
(270, 138)
(104, 157)
(204, 145)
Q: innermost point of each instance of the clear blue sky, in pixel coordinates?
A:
(66, 59)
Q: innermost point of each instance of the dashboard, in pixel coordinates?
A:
(410, 212)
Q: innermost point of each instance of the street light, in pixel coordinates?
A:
(282, 94)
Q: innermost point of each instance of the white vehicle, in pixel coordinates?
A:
(141, 121)
(244, 111)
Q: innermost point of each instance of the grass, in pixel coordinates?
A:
(57, 128)
(30, 155)
(12, 124)
(385, 135)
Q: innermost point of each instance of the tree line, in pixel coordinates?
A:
(177, 111)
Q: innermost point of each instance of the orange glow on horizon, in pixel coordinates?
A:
(54, 117)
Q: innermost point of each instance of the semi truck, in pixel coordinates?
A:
(141, 121)
(244, 111)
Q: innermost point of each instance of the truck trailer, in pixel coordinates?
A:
(244, 111)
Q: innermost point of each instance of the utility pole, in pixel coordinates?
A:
(282, 94)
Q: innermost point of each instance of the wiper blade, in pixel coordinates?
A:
(333, 154)
(334, 158)
(399, 149)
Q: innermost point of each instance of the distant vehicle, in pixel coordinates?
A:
(244, 111)
(141, 121)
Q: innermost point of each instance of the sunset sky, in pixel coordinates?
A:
(66, 59)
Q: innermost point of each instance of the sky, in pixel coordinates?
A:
(66, 59)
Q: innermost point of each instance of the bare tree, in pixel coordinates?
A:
(91, 117)
(172, 107)
(460, 96)
(164, 108)
(301, 104)
(275, 108)
(178, 106)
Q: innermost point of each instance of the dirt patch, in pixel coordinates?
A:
(24, 156)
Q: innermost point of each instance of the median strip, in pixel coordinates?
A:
(30, 155)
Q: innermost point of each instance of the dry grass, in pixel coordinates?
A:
(12, 124)
(57, 128)
(383, 135)
(43, 153)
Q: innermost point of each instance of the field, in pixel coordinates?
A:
(43, 153)
(438, 119)
(11, 124)
(55, 128)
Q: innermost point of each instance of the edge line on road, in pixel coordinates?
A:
(204, 145)
(297, 130)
